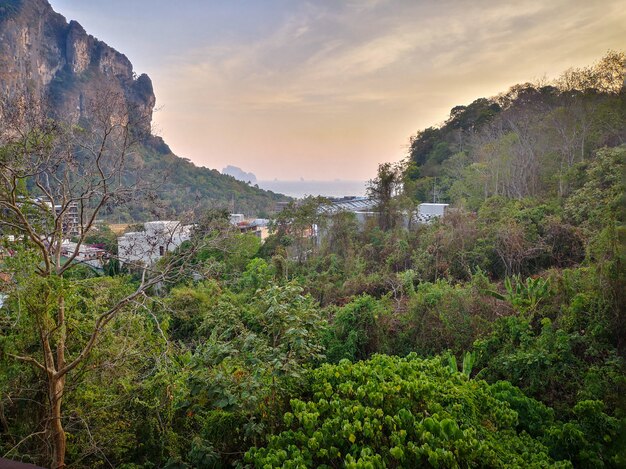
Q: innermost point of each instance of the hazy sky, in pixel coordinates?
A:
(329, 89)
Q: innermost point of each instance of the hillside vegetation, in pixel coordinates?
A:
(493, 337)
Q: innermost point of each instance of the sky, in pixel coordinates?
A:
(328, 89)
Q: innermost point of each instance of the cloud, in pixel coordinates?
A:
(375, 70)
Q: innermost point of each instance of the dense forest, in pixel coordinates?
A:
(492, 337)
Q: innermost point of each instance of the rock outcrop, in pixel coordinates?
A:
(60, 62)
(239, 174)
(41, 50)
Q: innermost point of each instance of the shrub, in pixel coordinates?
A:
(399, 412)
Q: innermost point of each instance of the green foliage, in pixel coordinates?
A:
(468, 363)
(399, 412)
(557, 365)
(592, 439)
(102, 236)
(253, 354)
(528, 141)
(354, 333)
(101, 411)
(293, 227)
(599, 200)
(257, 275)
(441, 316)
(524, 296)
(533, 417)
(189, 307)
(382, 190)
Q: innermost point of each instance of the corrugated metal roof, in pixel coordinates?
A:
(357, 204)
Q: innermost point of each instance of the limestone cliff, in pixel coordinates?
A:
(40, 49)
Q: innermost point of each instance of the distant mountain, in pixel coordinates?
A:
(65, 66)
(239, 174)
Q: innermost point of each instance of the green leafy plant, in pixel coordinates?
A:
(523, 295)
(399, 412)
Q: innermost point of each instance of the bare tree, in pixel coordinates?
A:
(55, 179)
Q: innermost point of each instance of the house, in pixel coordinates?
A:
(365, 208)
(429, 212)
(146, 247)
(258, 226)
(261, 227)
(90, 255)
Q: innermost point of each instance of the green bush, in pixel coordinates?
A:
(354, 333)
(400, 412)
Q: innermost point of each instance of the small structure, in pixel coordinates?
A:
(363, 208)
(236, 218)
(91, 255)
(258, 226)
(426, 213)
(148, 246)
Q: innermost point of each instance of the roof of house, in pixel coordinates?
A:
(356, 204)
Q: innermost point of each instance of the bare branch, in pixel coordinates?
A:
(30, 360)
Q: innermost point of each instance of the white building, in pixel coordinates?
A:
(87, 254)
(236, 218)
(365, 208)
(148, 246)
(428, 212)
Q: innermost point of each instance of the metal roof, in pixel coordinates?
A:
(356, 204)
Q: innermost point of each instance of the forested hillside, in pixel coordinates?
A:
(530, 141)
(492, 337)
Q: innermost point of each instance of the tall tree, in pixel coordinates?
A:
(55, 179)
(383, 189)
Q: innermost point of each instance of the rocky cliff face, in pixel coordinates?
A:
(40, 49)
(58, 60)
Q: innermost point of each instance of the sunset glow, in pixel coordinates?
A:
(326, 90)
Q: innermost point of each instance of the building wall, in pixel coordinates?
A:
(147, 247)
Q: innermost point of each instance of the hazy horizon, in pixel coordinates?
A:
(300, 188)
(326, 90)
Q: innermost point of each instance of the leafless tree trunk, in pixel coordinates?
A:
(56, 177)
